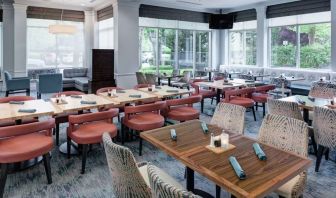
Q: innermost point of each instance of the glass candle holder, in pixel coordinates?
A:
(114, 92)
(153, 87)
(225, 140)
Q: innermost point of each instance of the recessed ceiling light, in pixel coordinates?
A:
(82, 4)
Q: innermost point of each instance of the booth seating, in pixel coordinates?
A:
(76, 78)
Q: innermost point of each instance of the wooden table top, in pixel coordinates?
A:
(10, 111)
(263, 177)
(218, 84)
(162, 93)
(309, 104)
(74, 104)
(124, 98)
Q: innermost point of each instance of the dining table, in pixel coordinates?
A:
(127, 96)
(289, 79)
(191, 149)
(168, 77)
(165, 91)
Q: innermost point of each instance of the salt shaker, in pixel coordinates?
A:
(212, 140)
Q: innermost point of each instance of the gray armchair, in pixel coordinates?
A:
(16, 84)
(49, 83)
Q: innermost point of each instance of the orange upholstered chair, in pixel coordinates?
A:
(261, 95)
(17, 98)
(203, 92)
(241, 97)
(142, 118)
(106, 89)
(139, 86)
(24, 142)
(87, 129)
(182, 109)
(63, 117)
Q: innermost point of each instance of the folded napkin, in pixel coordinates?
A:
(204, 128)
(135, 96)
(157, 87)
(120, 91)
(16, 102)
(88, 102)
(76, 96)
(249, 81)
(311, 99)
(172, 91)
(300, 101)
(237, 168)
(259, 152)
(227, 83)
(27, 110)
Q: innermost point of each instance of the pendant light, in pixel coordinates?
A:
(62, 28)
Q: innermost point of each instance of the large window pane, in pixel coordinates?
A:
(167, 41)
(185, 50)
(283, 46)
(251, 48)
(315, 45)
(1, 48)
(236, 48)
(148, 42)
(105, 32)
(46, 50)
(202, 50)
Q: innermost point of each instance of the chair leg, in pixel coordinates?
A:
(254, 114)
(57, 134)
(256, 105)
(212, 99)
(7, 93)
(68, 146)
(319, 157)
(122, 131)
(314, 144)
(46, 161)
(84, 154)
(3, 178)
(28, 92)
(38, 95)
(327, 154)
(264, 109)
(140, 146)
(218, 191)
(202, 105)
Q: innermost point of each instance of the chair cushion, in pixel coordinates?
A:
(260, 97)
(183, 113)
(207, 93)
(24, 121)
(92, 132)
(245, 102)
(145, 121)
(286, 189)
(24, 147)
(82, 81)
(77, 72)
(163, 175)
(68, 81)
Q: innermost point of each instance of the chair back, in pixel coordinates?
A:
(150, 79)
(126, 180)
(162, 189)
(246, 92)
(278, 82)
(176, 72)
(140, 78)
(246, 77)
(264, 88)
(16, 98)
(8, 76)
(184, 101)
(50, 83)
(68, 93)
(195, 86)
(284, 108)
(200, 73)
(229, 117)
(106, 89)
(186, 76)
(325, 90)
(324, 124)
(285, 133)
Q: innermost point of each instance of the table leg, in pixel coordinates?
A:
(209, 76)
(218, 93)
(191, 187)
(73, 148)
(282, 89)
(169, 82)
(306, 115)
(159, 80)
(230, 76)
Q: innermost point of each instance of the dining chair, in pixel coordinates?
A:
(88, 129)
(141, 79)
(229, 117)
(24, 142)
(278, 87)
(129, 178)
(106, 89)
(16, 84)
(261, 95)
(290, 135)
(324, 89)
(205, 93)
(184, 81)
(161, 187)
(49, 83)
(142, 118)
(245, 77)
(139, 86)
(182, 109)
(150, 79)
(241, 97)
(63, 117)
(17, 99)
(325, 132)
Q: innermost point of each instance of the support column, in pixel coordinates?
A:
(89, 38)
(333, 33)
(126, 41)
(261, 36)
(8, 36)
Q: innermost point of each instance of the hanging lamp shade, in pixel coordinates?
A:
(62, 29)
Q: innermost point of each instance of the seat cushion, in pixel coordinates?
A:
(24, 121)
(68, 81)
(145, 121)
(245, 102)
(163, 175)
(82, 81)
(286, 189)
(183, 113)
(260, 97)
(24, 147)
(92, 132)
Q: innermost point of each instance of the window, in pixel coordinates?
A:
(202, 49)
(185, 49)
(1, 48)
(46, 50)
(148, 54)
(105, 33)
(242, 43)
(301, 41)
(167, 51)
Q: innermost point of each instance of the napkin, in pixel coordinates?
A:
(76, 96)
(16, 102)
(172, 91)
(120, 91)
(249, 81)
(157, 87)
(204, 127)
(135, 96)
(259, 152)
(27, 110)
(88, 102)
(237, 168)
(227, 83)
(300, 101)
(311, 98)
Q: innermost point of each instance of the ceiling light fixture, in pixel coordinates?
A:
(62, 28)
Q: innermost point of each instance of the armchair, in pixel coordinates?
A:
(49, 83)
(16, 84)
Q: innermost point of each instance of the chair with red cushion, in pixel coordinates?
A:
(24, 142)
(261, 96)
(17, 99)
(139, 86)
(142, 118)
(241, 97)
(203, 92)
(63, 117)
(87, 129)
(106, 89)
(182, 109)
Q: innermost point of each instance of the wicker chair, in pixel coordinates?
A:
(325, 133)
(322, 90)
(290, 135)
(284, 108)
(140, 78)
(163, 189)
(246, 77)
(151, 79)
(129, 179)
(229, 117)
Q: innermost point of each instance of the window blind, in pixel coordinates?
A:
(55, 14)
(1, 17)
(105, 13)
(245, 15)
